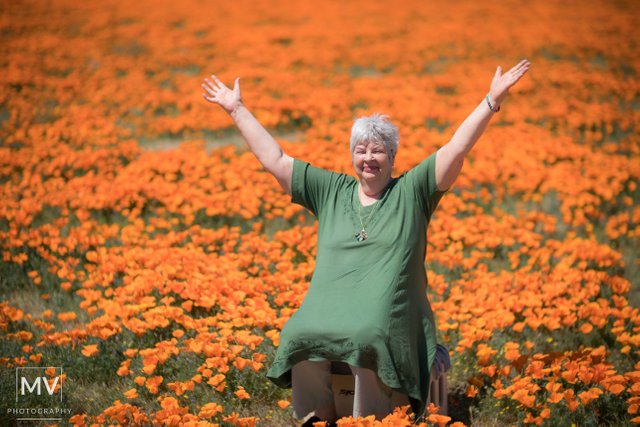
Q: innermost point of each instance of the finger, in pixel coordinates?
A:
(236, 85)
(218, 82)
(522, 64)
(210, 84)
(515, 69)
(209, 90)
(523, 70)
(519, 74)
(518, 66)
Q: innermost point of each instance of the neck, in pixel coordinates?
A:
(373, 189)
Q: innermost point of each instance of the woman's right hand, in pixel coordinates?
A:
(218, 93)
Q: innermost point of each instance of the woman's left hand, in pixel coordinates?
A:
(501, 83)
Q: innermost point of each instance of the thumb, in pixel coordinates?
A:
(236, 85)
(498, 71)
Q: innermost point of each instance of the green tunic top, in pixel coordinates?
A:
(366, 304)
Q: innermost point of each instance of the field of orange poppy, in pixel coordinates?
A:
(146, 251)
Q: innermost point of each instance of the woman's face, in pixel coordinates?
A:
(371, 161)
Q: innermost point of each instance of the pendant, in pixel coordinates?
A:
(361, 235)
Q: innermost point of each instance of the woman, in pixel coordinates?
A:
(366, 304)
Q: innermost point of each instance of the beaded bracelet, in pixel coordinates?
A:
(491, 106)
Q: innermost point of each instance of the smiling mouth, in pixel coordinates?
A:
(370, 168)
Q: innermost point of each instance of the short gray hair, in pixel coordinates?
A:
(375, 128)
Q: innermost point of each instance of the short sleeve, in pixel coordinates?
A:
(312, 187)
(422, 178)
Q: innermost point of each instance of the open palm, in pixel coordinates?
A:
(218, 93)
(501, 83)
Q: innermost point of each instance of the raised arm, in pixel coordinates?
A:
(450, 157)
(261, 143)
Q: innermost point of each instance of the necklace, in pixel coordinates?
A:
(362, 234)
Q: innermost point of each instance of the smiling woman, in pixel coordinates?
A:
(367, 301)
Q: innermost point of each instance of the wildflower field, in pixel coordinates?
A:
(146, 251)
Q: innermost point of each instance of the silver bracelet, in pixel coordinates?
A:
(491, 106)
